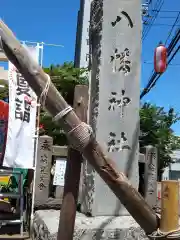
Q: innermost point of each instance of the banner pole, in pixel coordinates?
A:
(35, 165)
(35, 150)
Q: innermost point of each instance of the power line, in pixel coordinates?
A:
(153, 79)
(148, 21)
(173, 65)
(172, 28)
(169, 11)
(163, 24)
(174, 54)
(173, 42)
(146, 90)
(158, 5)
(167, 17)
(170, 49)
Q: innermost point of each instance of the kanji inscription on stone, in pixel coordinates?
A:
(116, 144)
(118, 102)
(121, 61)
(125, 15)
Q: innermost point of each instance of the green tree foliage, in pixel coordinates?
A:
(4, 92)
(155, 125)
(65, 77)
(155, 122)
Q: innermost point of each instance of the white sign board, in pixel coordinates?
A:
(59, 174)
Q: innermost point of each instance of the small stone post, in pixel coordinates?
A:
(150, 176)
(43, 169)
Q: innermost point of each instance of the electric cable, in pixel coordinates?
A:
(148, 21)
(152, 83)
(172, 64)
(169, 11)
(163, 24)
(173, 42)
(172, 28)
(159, 5)
(167, 17)
(171, 46)
(172, 57)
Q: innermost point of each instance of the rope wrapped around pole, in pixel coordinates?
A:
(79, 134)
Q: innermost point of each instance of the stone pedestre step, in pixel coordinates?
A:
(46, 222)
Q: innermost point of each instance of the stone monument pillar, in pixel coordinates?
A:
(43, 169)
(115, 48)
(150, 175)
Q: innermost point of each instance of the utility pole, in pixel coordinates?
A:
(81, 59)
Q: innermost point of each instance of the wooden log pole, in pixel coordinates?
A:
(169, 206)
(73, 172)
(55, 103)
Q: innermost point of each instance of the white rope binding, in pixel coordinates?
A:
(43, 96)
(62, 113)
(80, 136)
(175, 234)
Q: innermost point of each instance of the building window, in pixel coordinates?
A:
(87, 41)
(87, 57)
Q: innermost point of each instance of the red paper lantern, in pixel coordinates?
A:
(160, 59)
(4, 110)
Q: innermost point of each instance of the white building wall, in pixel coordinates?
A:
(175, 155)
(175, 166)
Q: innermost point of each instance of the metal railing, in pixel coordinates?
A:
(19, 195)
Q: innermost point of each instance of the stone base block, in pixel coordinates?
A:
(46, 222)
(50, 203)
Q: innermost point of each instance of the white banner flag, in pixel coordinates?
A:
(19, 151)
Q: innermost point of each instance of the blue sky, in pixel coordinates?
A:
(55, 22)
(47, 21)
